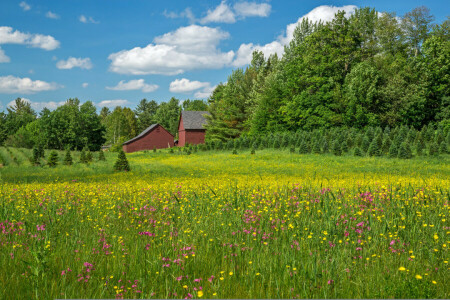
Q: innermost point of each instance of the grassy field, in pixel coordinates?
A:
(217, 225)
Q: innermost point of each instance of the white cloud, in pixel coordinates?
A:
(85, 85)
(51, 15)
(322, 13)
(205, 93)
(25, 6)
(84, 19)
(221, 14)
(9, 36)
(252, 9)
(137, 84)
(187, 13)
(72, 62)
(10, 85)
(3, 57)
(185, 85)
(113, 103)
(187, 48)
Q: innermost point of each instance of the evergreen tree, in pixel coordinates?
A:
(344, 146)
(52, 159)
(443, 148)
(89, 156)
(253, 151)
(325, 147)
(316, 147)
(373, 149)
(393, 151)
(304, 149)
(420, 147)
(292, 149)
(234, 151)
(68, 158)
(336, 148)
(365, 144)
(36, 157)
(83, 159)
(101, 155)
(433, 150)
(357, 152)
(386, 144)
(122, 162)
(404, 151)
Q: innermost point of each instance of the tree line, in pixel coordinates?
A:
(78, 126)
(368, 69)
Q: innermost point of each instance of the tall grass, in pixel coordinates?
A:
(217, 225)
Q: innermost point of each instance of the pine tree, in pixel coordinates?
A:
(101, 155)
(393, 151)
(433, 150)
(234, 151)
(443, 148)
(420, 147)
(336, 148)
(253, 151)
(386, 144)
(36, 157)
(83, 159)
(292, 149)
(373, 149)
(68, 158)
(52, 159)
(316, 147)
(122, 162)
(357, 152)
(365, 144)
(304, 149)
(89, 156)
(230, 144)
(325, 147)
(404, 151)
(344, 146)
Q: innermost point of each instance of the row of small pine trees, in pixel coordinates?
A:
(86, 157)
(401, 142)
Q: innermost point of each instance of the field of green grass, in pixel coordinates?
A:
(216, 225)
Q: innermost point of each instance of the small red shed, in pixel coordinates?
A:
(190, 128)
(155, 136)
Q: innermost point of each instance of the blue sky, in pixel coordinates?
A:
(118, 52)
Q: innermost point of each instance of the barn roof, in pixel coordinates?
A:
(147, 130)
(194, 119)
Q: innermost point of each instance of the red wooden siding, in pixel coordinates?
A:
(158, 138)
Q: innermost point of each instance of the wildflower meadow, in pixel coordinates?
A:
(273, 224)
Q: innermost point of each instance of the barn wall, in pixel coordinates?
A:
(181, 133)
(158, 138)
(194, 137)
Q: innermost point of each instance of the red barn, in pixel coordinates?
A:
(190, 128)
(155, 136)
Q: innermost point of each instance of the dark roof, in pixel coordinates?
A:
(149, 128)
(194, 119)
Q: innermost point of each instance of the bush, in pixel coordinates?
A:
(253, 151)
(171, 150)
(235, 151)
(89, 156)
(52, 159)
(68, 158)
(122, 162)
(292, 149)
(83, 158)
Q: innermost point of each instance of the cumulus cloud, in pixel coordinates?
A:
(85, 85)
(10, 85)
(84, 19)
(3, 57)
(187, 48)
(72, 62)
(137, 84)
(252, 9)
(51, 15)
(25, 6)
(113, 103)
(10, 36)
(221, 14)
(324, 13)
(185, 85)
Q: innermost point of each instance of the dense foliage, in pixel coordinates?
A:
(366, 69)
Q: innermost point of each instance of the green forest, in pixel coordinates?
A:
(367, 70)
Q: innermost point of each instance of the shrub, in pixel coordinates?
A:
(122, 162)
(89, 156)
(83, 156)
(292, 149)
(171, 150)
(52, 159)
(68, 158)
(235, 151)
(253, 151)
